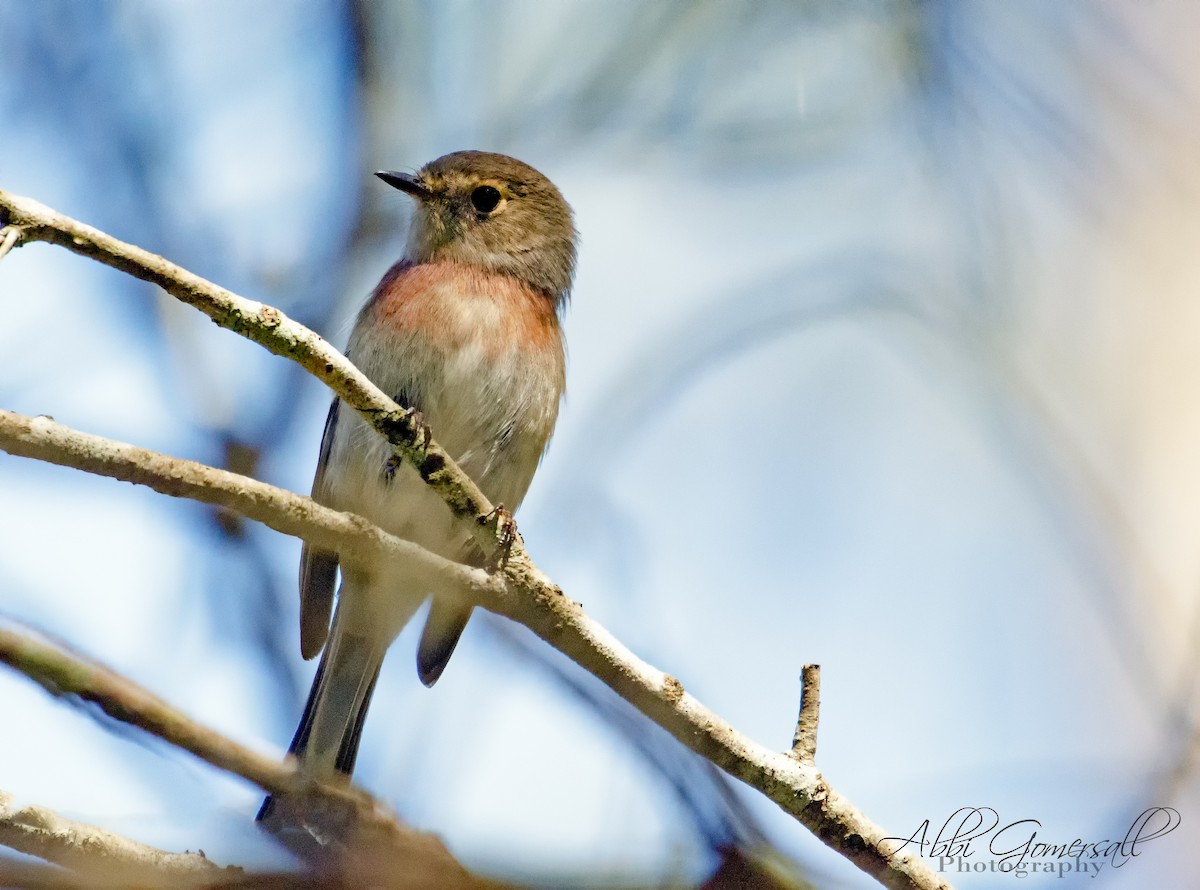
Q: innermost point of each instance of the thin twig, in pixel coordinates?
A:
(804, 742)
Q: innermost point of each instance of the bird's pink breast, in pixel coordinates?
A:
(453, 304)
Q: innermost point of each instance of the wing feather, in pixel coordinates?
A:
(318, 568)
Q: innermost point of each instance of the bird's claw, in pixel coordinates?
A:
(389, 467)
(506, 536)
(423, 434)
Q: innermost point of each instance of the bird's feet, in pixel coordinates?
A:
(422, 436)
(390, 466)
(506, 536)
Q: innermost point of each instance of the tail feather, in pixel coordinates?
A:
(327, 739)
(340, 704)
(348, 750)
(330, 729)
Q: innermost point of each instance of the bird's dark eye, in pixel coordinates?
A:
(485, 198)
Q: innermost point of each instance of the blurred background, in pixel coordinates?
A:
(883, 354)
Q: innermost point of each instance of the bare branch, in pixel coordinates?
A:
(375, 842)
(63, 673)
(804, 742)
(521, 592)
(273, 330)
(355, 539)
(797, 787)
(42, 833)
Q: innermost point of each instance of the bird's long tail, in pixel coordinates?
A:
(328, 735)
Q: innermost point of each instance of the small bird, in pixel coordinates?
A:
(465, 330)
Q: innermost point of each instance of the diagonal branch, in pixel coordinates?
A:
(272, 329)
(355, 539)
(63, 673)
(520, 592)
(797, 787)
(39, 832)
(378, 848)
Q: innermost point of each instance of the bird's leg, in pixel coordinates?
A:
(390, 465)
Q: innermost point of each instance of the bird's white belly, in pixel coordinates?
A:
(492, 412)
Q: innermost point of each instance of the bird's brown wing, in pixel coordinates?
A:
(443, 627)
(318, 568)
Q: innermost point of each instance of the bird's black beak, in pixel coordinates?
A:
(406, 182)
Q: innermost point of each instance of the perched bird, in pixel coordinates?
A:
(464, 329)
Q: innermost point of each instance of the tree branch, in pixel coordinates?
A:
(521, 592)
(377, 847)
(272, 329)
(356, 540)
(39, 832)
(796, 787)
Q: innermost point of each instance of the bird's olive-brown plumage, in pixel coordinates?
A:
(528, 233)
(464, 329)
